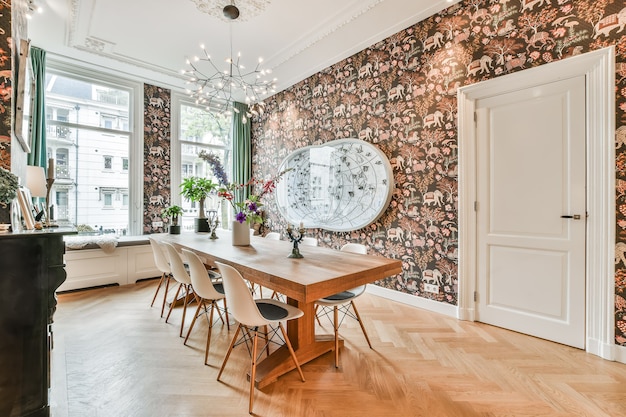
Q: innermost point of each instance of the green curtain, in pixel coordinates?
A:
(242, 152)
(38, 154)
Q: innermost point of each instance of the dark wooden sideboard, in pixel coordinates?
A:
(31, 269)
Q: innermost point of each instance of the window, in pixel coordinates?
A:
(107, 197)
(199, 129)
(94, 113)
(62, 155)
(61, 213)
(108, 162)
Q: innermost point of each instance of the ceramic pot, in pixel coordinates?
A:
(241, 233)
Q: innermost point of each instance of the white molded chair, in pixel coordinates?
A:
(251, 315)
(343, 301)
(273, 235)
(205, 291)
(309, 241)
(182, 277)
(160, 259)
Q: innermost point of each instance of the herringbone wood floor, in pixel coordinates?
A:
(115, 357)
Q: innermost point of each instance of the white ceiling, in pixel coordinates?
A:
(151, 39)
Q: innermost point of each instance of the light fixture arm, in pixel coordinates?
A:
(217, 89)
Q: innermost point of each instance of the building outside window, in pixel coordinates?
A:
(87, 145)
(200, 129)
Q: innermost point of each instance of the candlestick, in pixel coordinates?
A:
(213, 221)
(296, 237)
(49, 183)
(51, 168)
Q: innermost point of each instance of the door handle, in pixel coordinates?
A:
(575, 217)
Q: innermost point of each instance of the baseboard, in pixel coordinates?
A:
(620, 353)
(413, 300)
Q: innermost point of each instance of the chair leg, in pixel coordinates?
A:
(267, 342)
(336, 326)
(226, 313)
(195, 317)
(316, 317)
(157, 289)
(173, 302)
(228, 352)
(356, 313)
(208, 337)
(253, 368)
(167, 287)
(182, 321)
(290, 348)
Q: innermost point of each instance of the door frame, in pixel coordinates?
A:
(599, 69)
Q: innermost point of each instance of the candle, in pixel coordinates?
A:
(301, 225)
(50, 168)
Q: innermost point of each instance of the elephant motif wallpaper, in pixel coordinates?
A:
(157, 164)
(400, 95)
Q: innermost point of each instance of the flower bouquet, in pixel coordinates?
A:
(247, 210)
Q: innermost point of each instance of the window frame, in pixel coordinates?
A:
(54, 65)
(179, 100)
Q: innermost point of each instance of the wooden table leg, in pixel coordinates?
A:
(301, 333)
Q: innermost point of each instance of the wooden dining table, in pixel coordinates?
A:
(320, 273)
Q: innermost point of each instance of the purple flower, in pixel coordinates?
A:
(240, 217)
(252, 207)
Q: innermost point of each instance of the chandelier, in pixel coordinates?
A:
(218, 89)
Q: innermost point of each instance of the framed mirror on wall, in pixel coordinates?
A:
(24, 96)
(342, 185)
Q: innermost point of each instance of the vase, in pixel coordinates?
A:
(16, 216)
(241, 233)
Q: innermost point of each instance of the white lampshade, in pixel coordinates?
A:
(36, 181)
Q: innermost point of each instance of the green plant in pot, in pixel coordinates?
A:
(197, 189)
(173, 212)
(9, 184)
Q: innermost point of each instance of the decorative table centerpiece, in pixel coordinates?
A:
(247, 209)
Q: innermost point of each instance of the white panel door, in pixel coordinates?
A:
(530, 179)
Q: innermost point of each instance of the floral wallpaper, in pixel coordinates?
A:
(6, 91)
(400, 94)
(157, 164)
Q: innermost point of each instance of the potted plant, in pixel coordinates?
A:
(172, 212)
(198, 189)
(9, 184)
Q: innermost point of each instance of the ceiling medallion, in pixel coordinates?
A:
(248, 8)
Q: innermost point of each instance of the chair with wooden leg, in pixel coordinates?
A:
(182, 277)
(254, 314)
(160, 259)
(206, 292)
(342, 303)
